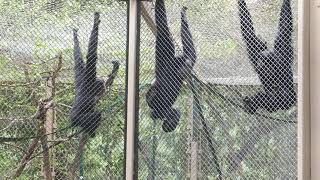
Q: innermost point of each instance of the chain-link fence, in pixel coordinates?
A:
(214, 103)
(38, 99)
(234, 114)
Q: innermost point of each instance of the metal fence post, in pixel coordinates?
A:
(131, 142)
(303, 92)
(314, 88)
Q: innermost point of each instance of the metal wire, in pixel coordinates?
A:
(261, 145)
(33, 33)
(215, 137)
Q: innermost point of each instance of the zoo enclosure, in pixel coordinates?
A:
(179, 138)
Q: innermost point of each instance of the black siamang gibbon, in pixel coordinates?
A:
(274, 67)
(170, 70)
(88, 88)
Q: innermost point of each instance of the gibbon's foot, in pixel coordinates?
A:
(170, 123)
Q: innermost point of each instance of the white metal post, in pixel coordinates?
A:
(132, 80)
(303, 91)
(315, 87)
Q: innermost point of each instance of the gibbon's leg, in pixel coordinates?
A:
(254, 44)
(79, 77)
(283, 42)
(165, 50)
(92, 51)
(78, 62)
(286, 95)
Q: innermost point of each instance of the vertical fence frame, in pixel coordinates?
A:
(303, 91)
(132, 91)
(315, 87)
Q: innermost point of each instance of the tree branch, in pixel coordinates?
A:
(26, 157)
(42, 107)
(46, 156)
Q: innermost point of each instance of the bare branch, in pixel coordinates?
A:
(26, 157)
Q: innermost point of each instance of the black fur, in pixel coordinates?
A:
(274, 67)
(88, 87)
(170, 70)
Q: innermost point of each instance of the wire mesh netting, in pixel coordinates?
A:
(225, 108)
(217, 89)
(41, 66)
